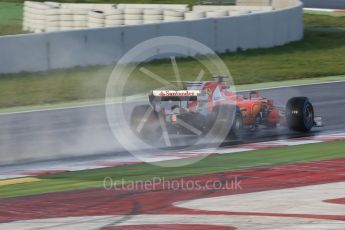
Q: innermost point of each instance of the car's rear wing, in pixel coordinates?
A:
(172, 95)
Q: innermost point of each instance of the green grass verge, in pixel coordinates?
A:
(11, 15)
(306, 81)
(219, 163)
(333, 14)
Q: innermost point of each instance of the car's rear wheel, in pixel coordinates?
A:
(300, 114)
(236, 131)
(145, 124)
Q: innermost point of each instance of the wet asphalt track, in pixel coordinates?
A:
(85, 131)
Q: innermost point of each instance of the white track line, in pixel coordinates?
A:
(325, 10)
(52, 109)
(293, 86)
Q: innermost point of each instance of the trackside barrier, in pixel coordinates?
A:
(52, 16)
(233, 8)
(254, 2)
(99, 46)
(154, 6)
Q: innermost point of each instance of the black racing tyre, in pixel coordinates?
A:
(257, 122)
(145, 123)
(236, 131)
(196, 120)
(299, 114)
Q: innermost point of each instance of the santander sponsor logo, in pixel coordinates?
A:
(172, 93)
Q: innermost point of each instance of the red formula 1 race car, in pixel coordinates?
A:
(203, 106)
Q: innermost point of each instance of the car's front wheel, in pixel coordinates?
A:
(300, 114)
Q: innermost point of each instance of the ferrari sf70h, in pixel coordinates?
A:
(196, 109)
